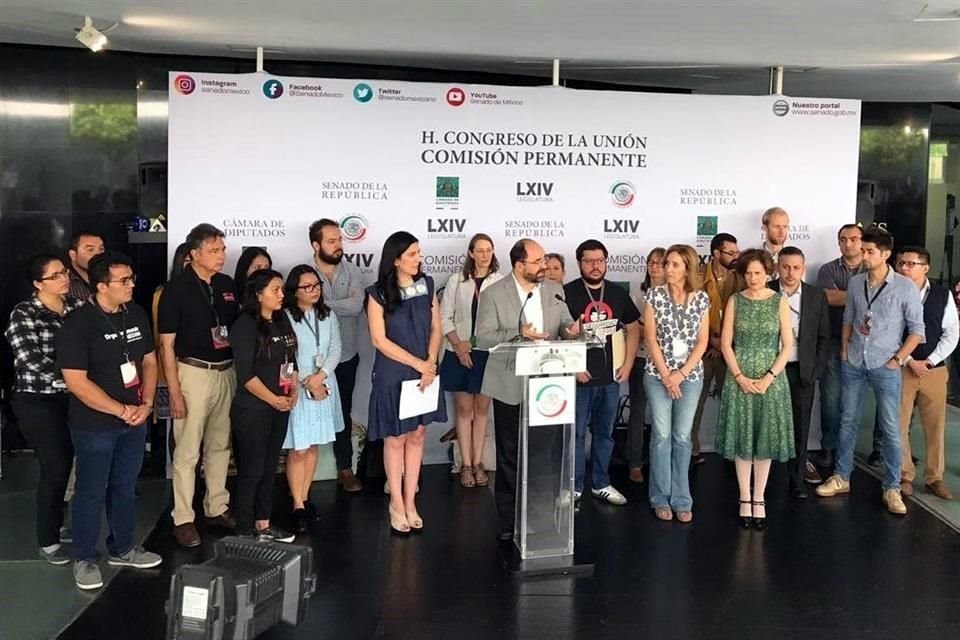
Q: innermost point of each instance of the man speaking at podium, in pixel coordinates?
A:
(528, 307)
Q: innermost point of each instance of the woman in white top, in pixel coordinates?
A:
(638, 397)
(462, 368)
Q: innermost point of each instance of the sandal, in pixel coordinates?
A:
(415, 521)
(480, 474)
(663, 513)
(760, 523)
(467, 479)
(685, 516)
(746, 521)
(398, 522)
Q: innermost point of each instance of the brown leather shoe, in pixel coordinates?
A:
(636, 475)
(939, 489)
(224, 520)
(906, 488)
(348, 481)
(187, 535)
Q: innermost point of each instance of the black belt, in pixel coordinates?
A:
(203, 364)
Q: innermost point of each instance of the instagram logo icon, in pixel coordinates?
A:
(184, 84)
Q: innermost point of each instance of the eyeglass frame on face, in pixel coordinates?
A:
(310, 288)
(127, 281)
(593, 261)
(729, 254)
(542, 261)
(911, 264)
(655, 263)
(55, 276)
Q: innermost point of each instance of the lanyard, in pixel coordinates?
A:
(123, 332)
(208, 296)
(870, 300)
(603, 287)
(315, 329)
(678, 309)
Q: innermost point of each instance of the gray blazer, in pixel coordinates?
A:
(497, 314)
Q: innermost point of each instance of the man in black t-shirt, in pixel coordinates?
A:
(196, 310)
(603, 308)
(105, 352)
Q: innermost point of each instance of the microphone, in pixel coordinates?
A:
(520, 317)
(560, 298)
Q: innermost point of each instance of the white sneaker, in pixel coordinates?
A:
(609, 494)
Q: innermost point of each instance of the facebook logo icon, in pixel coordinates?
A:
(273, 89)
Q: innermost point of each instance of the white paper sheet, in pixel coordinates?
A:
(414, 402)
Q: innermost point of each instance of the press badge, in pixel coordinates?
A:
(221, 337)
(318, 361)
(287, 373)
(128, 373)
(678, 348)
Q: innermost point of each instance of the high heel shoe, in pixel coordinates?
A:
(759, 523)
(398, 523)
(415, 521)
(746, 521)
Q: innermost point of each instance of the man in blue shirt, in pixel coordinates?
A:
(882, 325)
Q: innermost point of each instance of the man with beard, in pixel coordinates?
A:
(84, 245)
(532, 304)
(776, 224)
(720, 282)
(342, 292)
(602, 308)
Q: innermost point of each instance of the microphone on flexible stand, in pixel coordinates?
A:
(560, 298)
(520, 317)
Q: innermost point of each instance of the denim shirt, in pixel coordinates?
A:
(897, 310)
(345, 296)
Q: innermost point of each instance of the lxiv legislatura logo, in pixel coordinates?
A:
(621, 229)
(446, 228)
(535, 191)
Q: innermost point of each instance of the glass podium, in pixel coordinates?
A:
(544, 533)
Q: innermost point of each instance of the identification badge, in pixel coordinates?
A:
(221, 337)
(128, 373)
(678, 348)
(287, 373)
(866, 324)
(318, 361)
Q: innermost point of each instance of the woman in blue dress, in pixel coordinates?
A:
(404, 320)
(317, 417)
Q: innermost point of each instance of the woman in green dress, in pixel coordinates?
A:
(756, 423)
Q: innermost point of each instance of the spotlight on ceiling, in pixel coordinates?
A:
(91, 37)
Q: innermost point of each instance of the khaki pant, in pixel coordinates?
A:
(208, 395)
(930, 395)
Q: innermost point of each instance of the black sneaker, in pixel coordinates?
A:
(312, 514)
(276, 534)
(300, 520)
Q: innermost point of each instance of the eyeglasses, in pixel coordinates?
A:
(56, 275)
(654, 263)
(910, 263)
(541, 261)
(129, 281)
(594, 261)
(729, 254)
(310, 288)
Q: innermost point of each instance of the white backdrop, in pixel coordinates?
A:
(263, 156)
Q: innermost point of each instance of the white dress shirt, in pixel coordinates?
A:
(533, 312)
(950, 325)
(793, 300)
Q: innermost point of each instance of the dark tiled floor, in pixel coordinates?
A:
(838, 568)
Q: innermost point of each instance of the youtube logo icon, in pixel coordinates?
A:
(456, 97)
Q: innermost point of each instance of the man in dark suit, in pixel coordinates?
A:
(809, 315)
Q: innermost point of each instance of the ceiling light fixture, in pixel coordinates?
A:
(91, 37)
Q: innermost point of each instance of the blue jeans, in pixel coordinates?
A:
(108, 464)
(886, 385)
(670, 443)
(598, 407)
(830, 398)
